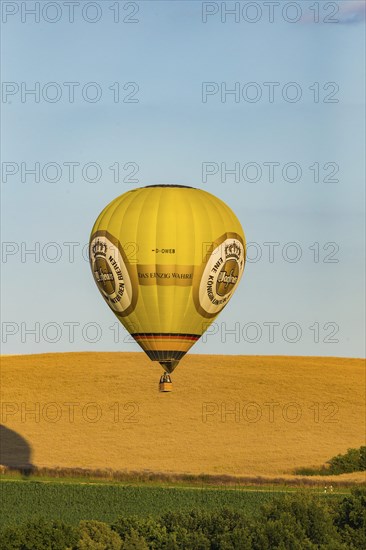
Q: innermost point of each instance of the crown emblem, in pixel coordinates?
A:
(99, 248)
(232, 250)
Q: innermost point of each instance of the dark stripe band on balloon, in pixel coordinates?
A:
(169, 335)
(165, 355)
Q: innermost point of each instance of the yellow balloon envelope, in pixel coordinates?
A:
(167, 259)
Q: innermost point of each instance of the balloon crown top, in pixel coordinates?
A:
(170, 185)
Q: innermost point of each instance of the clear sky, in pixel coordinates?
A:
(139, 101)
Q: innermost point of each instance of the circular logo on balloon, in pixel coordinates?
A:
(111, 273)
(220, 274)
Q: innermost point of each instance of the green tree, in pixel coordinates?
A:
(133, 541)
(191, 540)
(236, 539)
(96, 535)
(310, 518)
(11, 538)
(350, 519)
(347, 463)
(151, 529)
(39, 534)
(279, 533)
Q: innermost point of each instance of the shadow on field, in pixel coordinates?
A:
(15, 451)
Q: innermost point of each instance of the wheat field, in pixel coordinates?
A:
(235, 415)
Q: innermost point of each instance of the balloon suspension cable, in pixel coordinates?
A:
(170, 365)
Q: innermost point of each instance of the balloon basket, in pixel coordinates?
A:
(165, 386)
(165, 383)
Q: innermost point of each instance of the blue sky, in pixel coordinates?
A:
(315, 305)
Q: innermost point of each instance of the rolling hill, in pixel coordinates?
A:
(235, 415)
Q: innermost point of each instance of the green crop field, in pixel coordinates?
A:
(71, 502)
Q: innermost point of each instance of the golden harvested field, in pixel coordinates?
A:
(236, 415)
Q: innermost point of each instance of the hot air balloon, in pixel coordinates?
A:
(167, 259)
